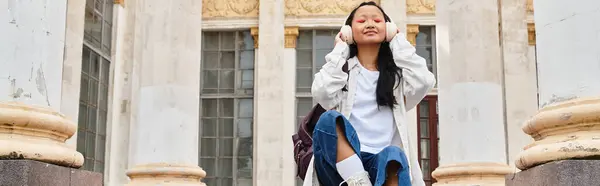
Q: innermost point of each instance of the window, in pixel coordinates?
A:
(428, 137)
(312, 46)
(98, 24)
(93, 100)
(226, 125)
(425, 46)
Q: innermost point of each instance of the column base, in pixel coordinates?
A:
(36, 133)
(568, 130)
(35, 173)
(467, 174)
(166, 175)
(558, 173)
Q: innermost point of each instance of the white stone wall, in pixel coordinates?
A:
(31, 52)
(559, 82)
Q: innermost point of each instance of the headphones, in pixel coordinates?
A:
(391, 30)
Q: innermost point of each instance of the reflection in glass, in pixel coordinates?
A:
(303, 80)
(226, 127)
(228, 40)
(244, 128)
(425, 148)
(227, 60)
(304, 58)
(424, 127)
(247, 59)
(245, 108)
(304, 39)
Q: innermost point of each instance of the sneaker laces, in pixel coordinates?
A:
(361, 179)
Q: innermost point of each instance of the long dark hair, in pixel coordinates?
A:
(388, 71)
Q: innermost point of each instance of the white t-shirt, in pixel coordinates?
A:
(374, 124)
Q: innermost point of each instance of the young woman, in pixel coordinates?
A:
(369, 102)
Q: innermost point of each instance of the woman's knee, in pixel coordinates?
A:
(328, 122)
(395, 154)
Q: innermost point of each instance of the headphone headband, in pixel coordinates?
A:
(384, 15)
(346, 30)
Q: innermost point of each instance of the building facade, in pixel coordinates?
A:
(239, 103)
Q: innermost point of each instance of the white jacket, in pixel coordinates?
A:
(416, 82)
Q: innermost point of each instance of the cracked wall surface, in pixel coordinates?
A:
(32, 52)
(559, 82)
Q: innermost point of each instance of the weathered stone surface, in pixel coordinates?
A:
(35, 173)
(559, 173)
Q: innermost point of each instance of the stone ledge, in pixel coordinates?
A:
(558, 173)
(35, 173)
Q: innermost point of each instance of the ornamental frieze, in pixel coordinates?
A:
(249, 8)
(229, 8)
(320, 7)
(420, 6)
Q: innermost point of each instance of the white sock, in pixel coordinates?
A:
(350, 167)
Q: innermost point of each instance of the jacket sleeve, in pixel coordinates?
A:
(328, 82)
(416, 80)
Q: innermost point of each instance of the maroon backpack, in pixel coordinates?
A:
(303, 151)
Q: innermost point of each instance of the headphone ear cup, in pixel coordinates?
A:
(347, 34)
(391, 30)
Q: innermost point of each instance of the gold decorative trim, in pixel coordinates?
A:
(229, 8)
(320, 7)
(291, 35)
(119, 2)
(531, 33)
(166, 174)
(420, 6)
(411, 33)
(254, 33)
(529, 6)
(36, 133)
(489, 174)
(565, 130)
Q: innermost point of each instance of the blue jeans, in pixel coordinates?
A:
(325, 153)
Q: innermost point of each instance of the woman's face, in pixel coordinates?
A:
(368, 25)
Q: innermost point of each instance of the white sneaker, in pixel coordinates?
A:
(360, 179)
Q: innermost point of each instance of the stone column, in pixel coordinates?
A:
(167, 49)
(472, 133)
(121, 107)
(567, 126)
(289, 53)
(274, 92)
(32, 52)
(520, 81)
(71, 78)
(396, 9)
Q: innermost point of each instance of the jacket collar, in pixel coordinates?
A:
(352, 63)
